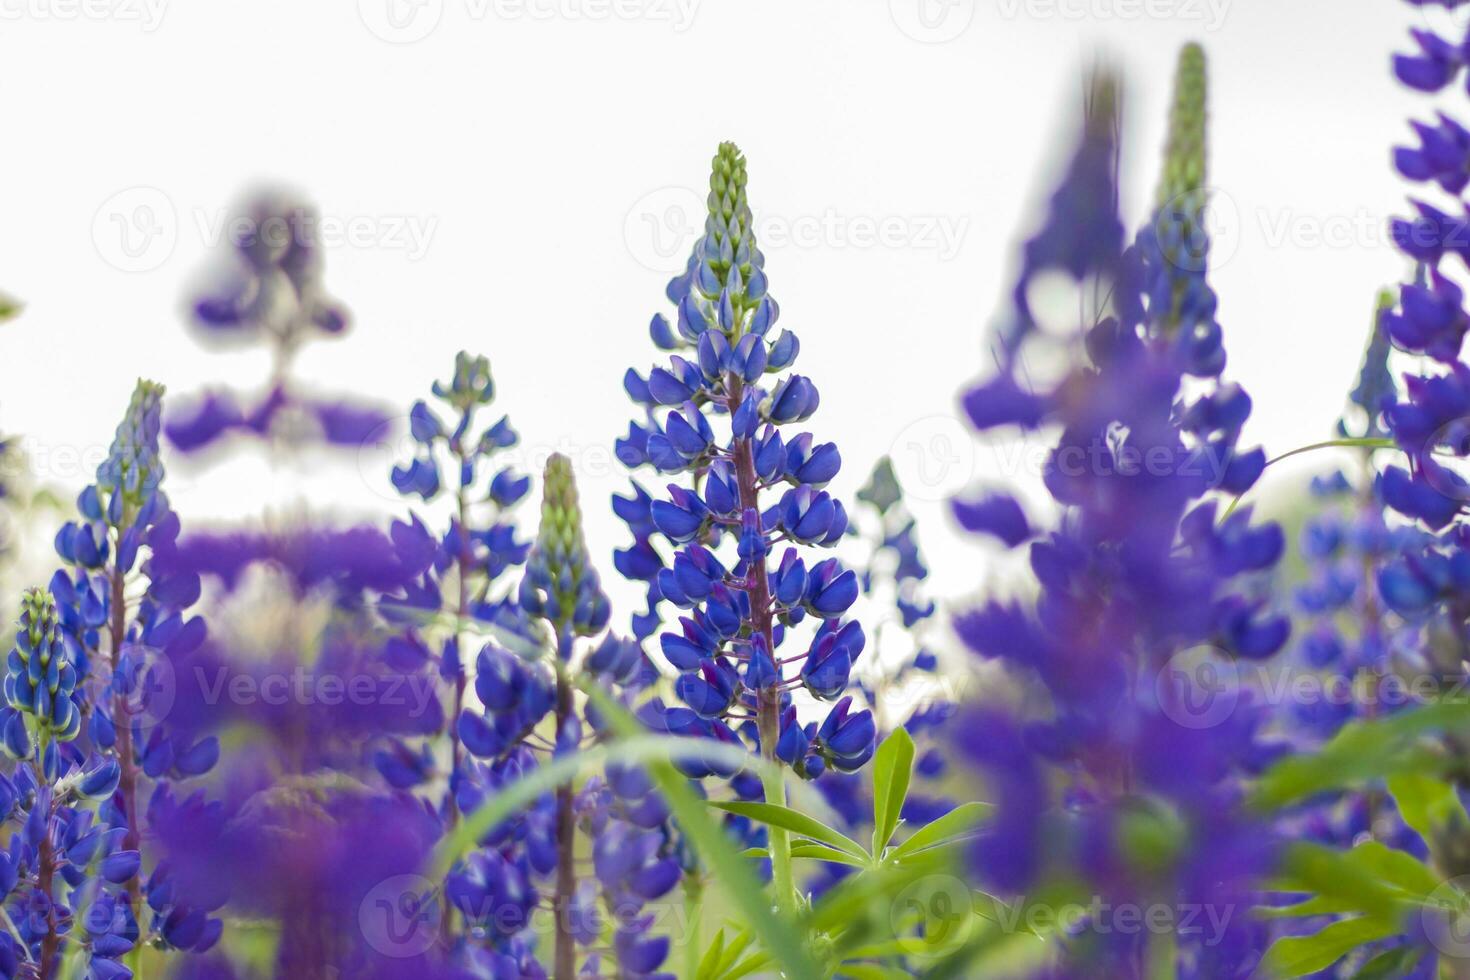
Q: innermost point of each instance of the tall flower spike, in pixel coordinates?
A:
(458, 569)
(750, 501)
(1137, 568)
(268, 288)
(1376, 388)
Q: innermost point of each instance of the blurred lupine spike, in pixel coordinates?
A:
(1100, 746)
(1179, 297)
(1184, 148)
(1376, 388)
(882, 490)
(269, 287)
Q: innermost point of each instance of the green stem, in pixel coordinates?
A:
(46, 871)
(1365, 443)
(768, 709)
(693, 909)
(566, 830)
(782, 880)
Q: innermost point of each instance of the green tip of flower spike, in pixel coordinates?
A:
(1101, 106)
(882, 491)
(1184, 148)
(133, 468)
(37, 615)
(561, 562)
(727, 201)
(729, 242)
(561, 515)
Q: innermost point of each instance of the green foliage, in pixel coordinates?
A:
(1372, 891)
(903, 900)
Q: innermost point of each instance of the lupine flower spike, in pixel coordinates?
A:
(1139, 568)
(719, 415)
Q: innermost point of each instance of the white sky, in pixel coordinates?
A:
(508, 171)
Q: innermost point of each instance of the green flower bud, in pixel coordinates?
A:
(133, 470)
(560, 584)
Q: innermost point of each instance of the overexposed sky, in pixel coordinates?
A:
(514, 177)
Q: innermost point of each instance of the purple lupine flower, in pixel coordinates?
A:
(899, 688)
(127, 651)
(455, 572)
(1139, 566)
(267, 289)
(533, 853)
(734, 565)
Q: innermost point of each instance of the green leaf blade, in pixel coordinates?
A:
(893, 765)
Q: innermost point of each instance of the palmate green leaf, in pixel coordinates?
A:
(1398, 868)
(1427, 804)
(1297, 956)
(874, 971)
(711, 958)
(722, 956)
(1392, 963)
(821, 852)
(745, 967)
(1363, 750)
(1314, 906)
(893, 765)
(957, 823)
(775, 815)
(1339, 877)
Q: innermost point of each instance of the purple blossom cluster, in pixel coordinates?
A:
(434, 746)
(1140, 567)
